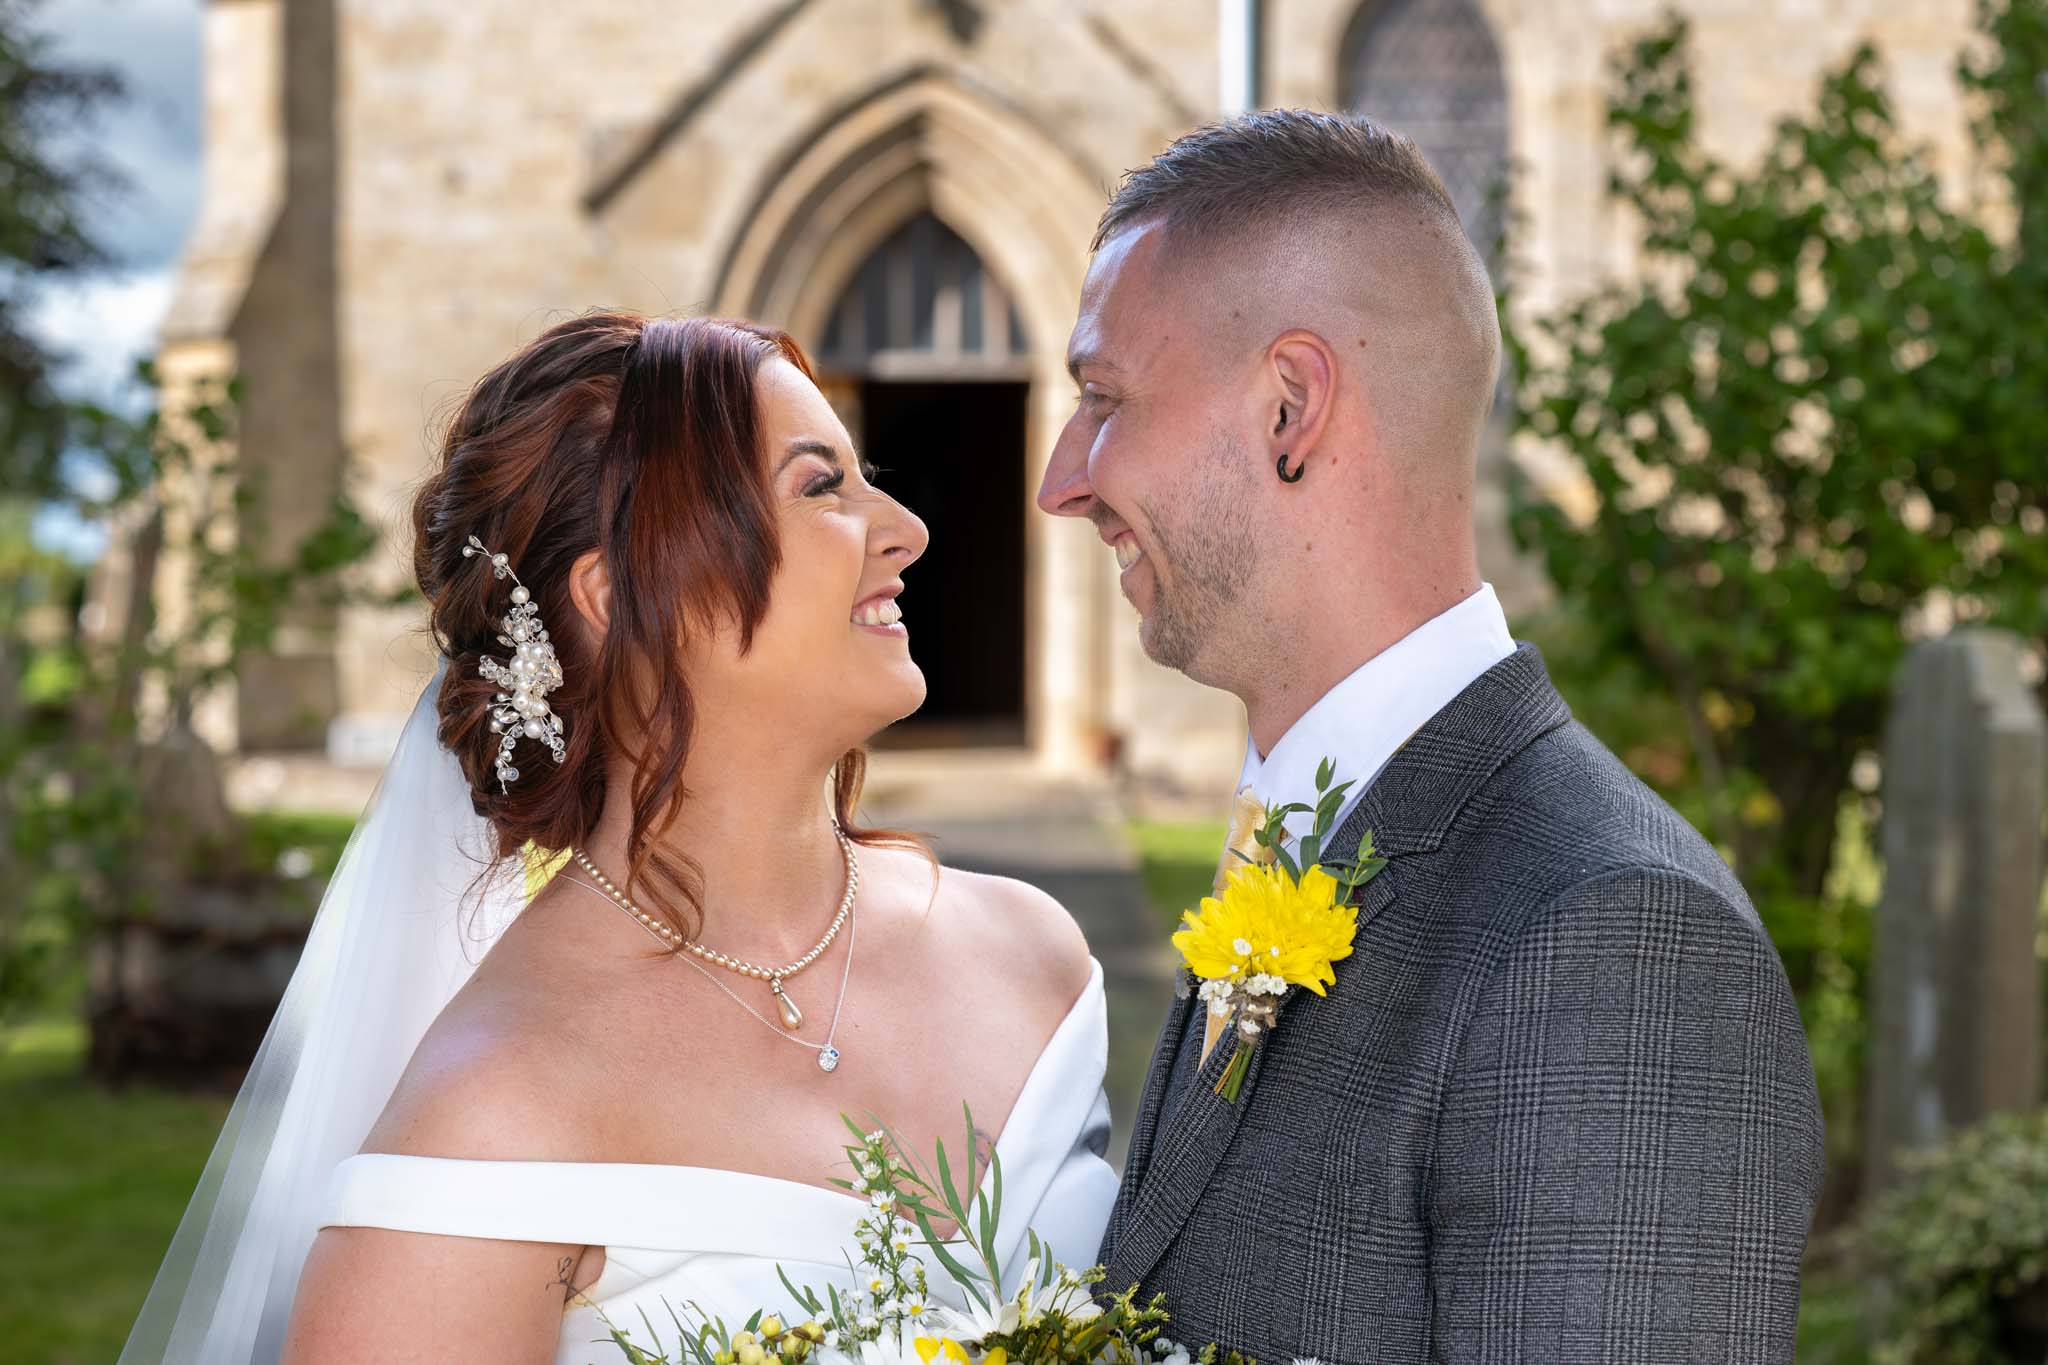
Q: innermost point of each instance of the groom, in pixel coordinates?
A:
(1558, 1105)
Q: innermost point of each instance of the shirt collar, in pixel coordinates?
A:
(1361, 722)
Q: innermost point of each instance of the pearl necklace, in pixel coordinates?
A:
(791, 1015)
(828, 1052)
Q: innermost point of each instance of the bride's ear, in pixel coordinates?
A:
(590, 588)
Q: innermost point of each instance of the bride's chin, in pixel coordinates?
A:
(909, 695)
(894, 697)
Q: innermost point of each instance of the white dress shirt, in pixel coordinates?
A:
(1363, 720)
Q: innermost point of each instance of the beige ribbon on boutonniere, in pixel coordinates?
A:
(1246, 815)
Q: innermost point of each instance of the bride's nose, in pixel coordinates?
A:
(899, 534)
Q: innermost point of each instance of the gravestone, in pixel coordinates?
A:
(1956, 985)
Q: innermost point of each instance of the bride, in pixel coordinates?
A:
(663, 586)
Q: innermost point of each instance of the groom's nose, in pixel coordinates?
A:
(1065, 490)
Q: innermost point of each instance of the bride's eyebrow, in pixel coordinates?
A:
(810, 445)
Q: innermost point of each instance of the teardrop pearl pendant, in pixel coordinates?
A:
(792, 1017)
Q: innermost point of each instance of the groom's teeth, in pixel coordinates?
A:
(1128, 553)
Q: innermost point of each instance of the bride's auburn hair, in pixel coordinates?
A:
(638, 437)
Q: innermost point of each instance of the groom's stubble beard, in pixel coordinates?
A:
(1208, 540)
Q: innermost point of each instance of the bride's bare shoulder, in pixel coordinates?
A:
(1004, 919)
(489, 1081)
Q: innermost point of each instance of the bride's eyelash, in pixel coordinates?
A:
(825, 483)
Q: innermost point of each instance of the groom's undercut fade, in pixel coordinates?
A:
(1269, 167)
(1295, 218)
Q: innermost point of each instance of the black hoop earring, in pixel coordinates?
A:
(1299, 470)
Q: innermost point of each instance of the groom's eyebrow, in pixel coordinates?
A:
(1077, 359)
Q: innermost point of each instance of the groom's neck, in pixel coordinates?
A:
(1352, 624)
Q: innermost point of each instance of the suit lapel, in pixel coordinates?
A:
(1160, 1192)
(1409, 808)
(1144, 1129)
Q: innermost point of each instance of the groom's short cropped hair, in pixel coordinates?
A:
(1270, 166)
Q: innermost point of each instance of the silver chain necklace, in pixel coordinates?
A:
(792, 1017)
(828, 1054)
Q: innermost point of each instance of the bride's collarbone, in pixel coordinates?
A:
(660, 1067)
(724, 1093)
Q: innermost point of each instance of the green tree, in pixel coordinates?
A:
(42, 233)
(1814, 428)
(1814, 420)
(105, 822)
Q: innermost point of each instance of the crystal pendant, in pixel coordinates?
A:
(828, 1060)
(792, 1017)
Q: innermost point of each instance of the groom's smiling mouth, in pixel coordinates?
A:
(1130, 555)
(1133, 563)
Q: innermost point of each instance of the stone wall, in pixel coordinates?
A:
(444, 183)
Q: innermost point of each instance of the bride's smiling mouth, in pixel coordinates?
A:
(880, 613)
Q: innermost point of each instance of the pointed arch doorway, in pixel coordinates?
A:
(922, 143)
(926, 360)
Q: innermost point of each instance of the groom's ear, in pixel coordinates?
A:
(1303, 390)
(590, 588)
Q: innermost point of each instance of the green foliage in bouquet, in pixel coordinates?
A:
(889, 1317)
(1958, 1256)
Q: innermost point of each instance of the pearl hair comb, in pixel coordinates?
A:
(533, 672)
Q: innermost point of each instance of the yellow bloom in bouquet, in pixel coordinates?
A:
(1268, 924)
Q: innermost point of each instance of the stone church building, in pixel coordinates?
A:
(400, 194)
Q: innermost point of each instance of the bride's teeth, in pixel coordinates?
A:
(882, 613)
(1128, 553)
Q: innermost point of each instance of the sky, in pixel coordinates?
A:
(107, 320)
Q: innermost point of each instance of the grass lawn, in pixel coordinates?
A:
(95, 1183)
(1178, 859)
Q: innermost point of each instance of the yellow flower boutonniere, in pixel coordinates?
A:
(1276, 924)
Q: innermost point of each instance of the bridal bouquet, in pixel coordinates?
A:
(890, 1317)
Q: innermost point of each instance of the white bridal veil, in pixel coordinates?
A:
(393, 940)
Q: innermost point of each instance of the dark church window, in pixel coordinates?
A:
(1431, 69)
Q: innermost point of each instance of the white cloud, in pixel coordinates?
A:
(102, 324)
(152, 137)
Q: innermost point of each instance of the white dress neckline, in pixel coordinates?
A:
(694, 1210)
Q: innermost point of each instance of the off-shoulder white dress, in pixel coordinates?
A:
(713, 1238)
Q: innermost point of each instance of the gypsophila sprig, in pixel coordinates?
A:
(891, 1317)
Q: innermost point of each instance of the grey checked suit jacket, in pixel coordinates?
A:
(1558, 1106)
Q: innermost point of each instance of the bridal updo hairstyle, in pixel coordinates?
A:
(639, 437)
